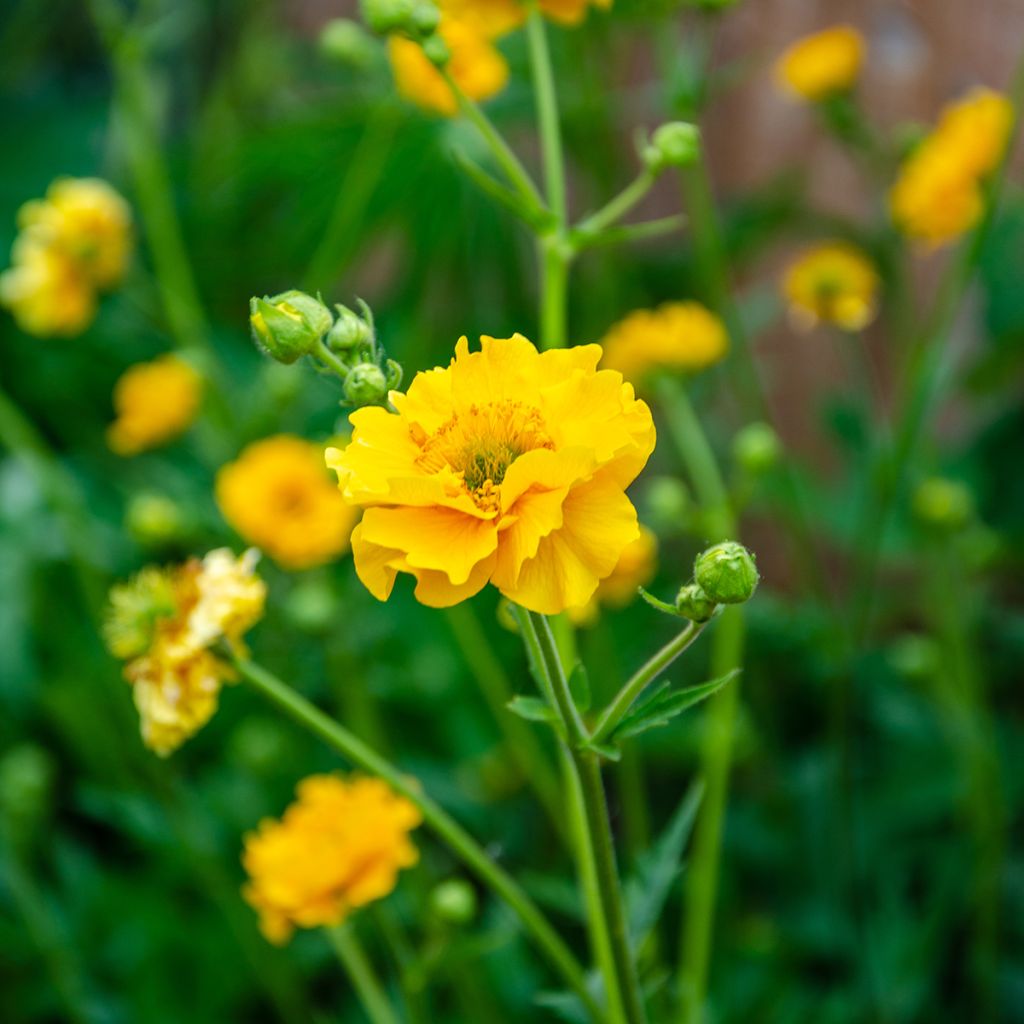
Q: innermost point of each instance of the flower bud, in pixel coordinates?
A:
(675, 144)
(154, 519)
(693, 604)
(289, 325)
(435, 49)
(425, 18)
(668, 504)
(756, 448)
(945, 506)
(348, 43)
(366, 384)
(387, 16)
(350, 331)
(26, 786)
(454, 901)
(727, 573)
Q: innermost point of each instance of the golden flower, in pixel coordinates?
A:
(45, 291)
(491, 18)
(571, 12)
(154, 403)
(86, 220)
(938, 194)
(635, 568)
(832, 283)
(676, 336)
(166, 621)
(822, 64)
(339, 846)
(278, 496)
(509, 466)
(475, 65)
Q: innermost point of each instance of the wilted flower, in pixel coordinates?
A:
(154, 402)
(681, 336)
(823, 64)
(832, 283)
(509, 466)
(339, 846)
(166, 621)
(277, 495)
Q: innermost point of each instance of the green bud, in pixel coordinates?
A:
(727, 573)
(350, 331)
(425, 19)
(693, 604)
(945, 506)
(27, 774)
(756, 448)
(435, 49)
(366, 385)
(154, 519)
(387, 16)
(288, 326)
(454, 901)
(676, 144)
(348, 43)
(668, 504)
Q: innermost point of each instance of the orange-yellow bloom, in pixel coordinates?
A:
(832, 283)
(339, 846)
(154, 402)
(278, 496)
(509, 466)
(682, 336)
(635, 568)
(822, 64)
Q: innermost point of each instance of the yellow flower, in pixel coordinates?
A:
(154, 402)
(88, 221)
(635, 568)
(938, 194)
(571, 12)
(823, 64)
(491, 18)
(45, 291)
(338, 847)
(509, 466)
(277, 495)
(166, 621)
(832, 283)
(475, 65)
(676, 336)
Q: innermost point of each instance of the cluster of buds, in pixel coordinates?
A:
(416, 19)
(723, 574)
(293, 324)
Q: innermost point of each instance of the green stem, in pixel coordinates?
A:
(362, 975)
(597, 832)
(615, 209)
(447, 829)
(646, 674)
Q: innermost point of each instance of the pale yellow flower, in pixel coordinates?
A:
(338, 847)
(823, 64)
(832, 283)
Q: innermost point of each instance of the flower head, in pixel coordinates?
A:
(278, 496)
(46, 291)
(832, 283)
(339, 846)
(154, 402)
(681, 336)
(166, 622)
(823, 64)
(509, 466)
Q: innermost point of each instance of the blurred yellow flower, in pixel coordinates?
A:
(938, 194)
(166, 622)
(154, 403)
(45, 291)
(278, 496)
(822, 64)
(832, 283)
(495, 18)
(635, 568)
(682, 336)
(571, 12)
(509, 466)
(475, 65)
(338, 847)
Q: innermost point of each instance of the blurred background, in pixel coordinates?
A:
(119, 883)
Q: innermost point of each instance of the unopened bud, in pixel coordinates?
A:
(945, 506)
(288, 326)
(454, 901)
(435, 49)
(727, 573)
(348, 43)
(154, 519)
(366, 384)
(387, 16)
(676, 144)
(425, 18)
(350, 331)
(756, 448)
(693, 604)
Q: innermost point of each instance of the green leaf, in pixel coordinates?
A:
(579, 687)
(648, 887)
(661, 707)
(608, 751)
(533, 709)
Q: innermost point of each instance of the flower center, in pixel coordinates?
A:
(481, 442)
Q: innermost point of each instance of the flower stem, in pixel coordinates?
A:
(362, 975)
(447, 829)
(597, 832)
(616, 208)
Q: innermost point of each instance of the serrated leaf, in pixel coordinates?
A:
(579, 687)
(648, 887)
(533, 709)
(660, 708)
